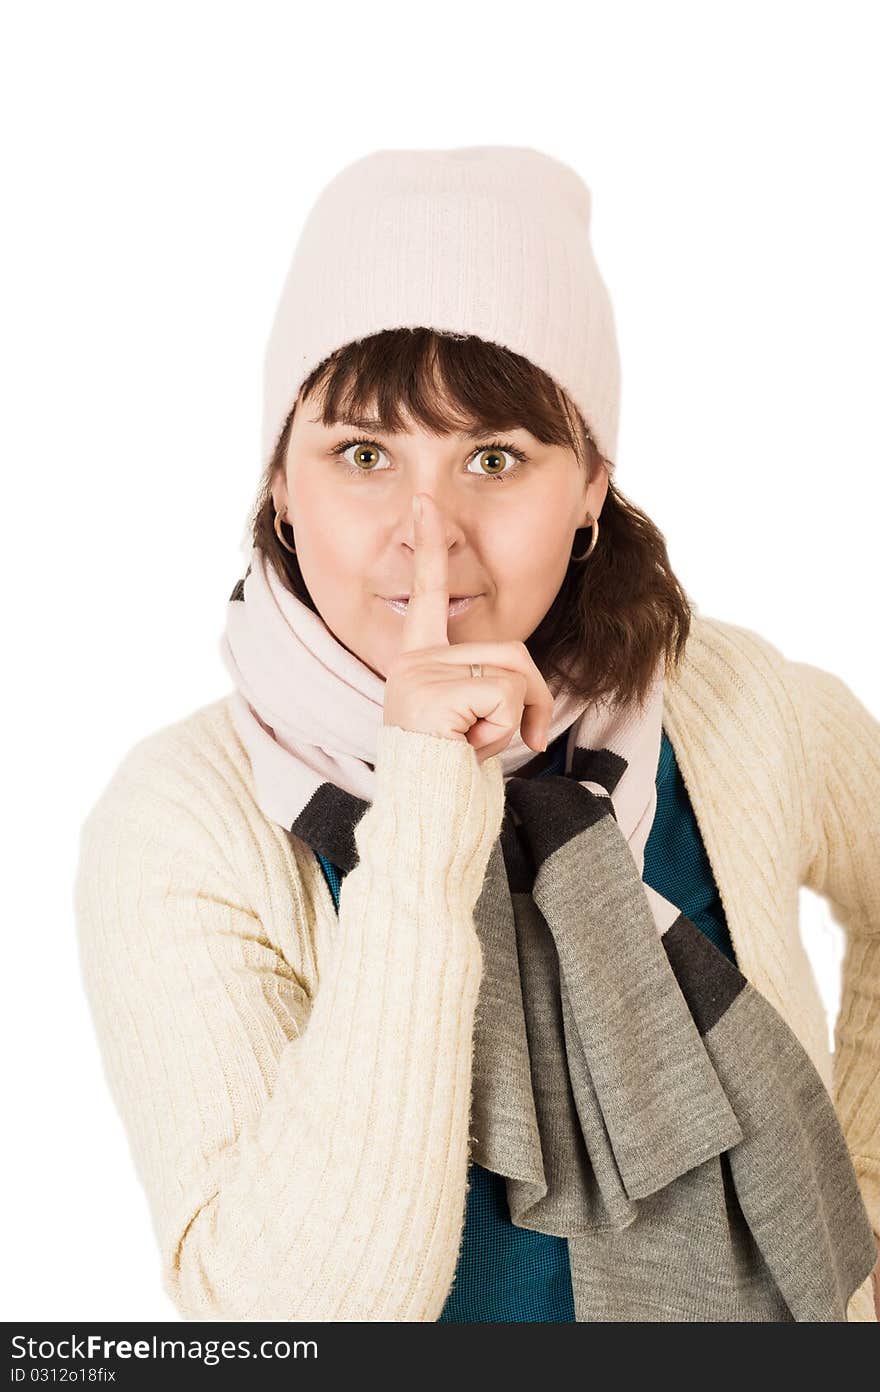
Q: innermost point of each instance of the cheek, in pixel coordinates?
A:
(528, 544)
(330, 536)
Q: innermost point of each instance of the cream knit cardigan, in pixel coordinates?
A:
(304, 1152)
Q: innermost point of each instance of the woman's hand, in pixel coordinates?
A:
(430, 688)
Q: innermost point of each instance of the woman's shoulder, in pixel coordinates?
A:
(735, 665)
(198, 749)
(736, 689)
(175, 850)
(718, 644)
(187, 782)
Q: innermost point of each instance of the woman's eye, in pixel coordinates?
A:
(489, 459)
(491, 464)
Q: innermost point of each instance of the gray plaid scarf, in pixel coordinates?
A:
(639, 1096)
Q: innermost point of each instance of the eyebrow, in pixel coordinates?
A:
(372, 425)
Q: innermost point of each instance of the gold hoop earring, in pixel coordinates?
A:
(287, 547)
(595, 525)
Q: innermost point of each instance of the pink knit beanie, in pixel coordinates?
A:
(491, 240)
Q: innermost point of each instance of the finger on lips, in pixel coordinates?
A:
(426, 621)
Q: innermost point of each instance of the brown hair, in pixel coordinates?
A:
(615, 614)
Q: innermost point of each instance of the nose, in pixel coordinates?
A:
(433, 498)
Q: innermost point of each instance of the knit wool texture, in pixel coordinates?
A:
(208, 931)
(489, 240)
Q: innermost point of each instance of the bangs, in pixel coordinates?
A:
(443, 382)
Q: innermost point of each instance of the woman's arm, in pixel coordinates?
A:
(303, 1159)
(841, 860)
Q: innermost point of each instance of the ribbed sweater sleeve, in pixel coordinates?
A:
(304, 1157)
(841, 861)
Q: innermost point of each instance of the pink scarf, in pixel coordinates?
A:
(308, 712)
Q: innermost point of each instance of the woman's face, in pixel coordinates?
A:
(351, 511)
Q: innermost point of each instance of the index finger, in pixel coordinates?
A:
(426, 621)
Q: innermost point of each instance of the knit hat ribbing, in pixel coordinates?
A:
(486, 240)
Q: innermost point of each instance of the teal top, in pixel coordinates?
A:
(507, 1274)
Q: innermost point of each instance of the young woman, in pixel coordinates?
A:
(448, 967)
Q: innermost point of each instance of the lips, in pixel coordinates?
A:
(457, 604)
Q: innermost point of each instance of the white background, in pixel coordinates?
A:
(158, 161)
